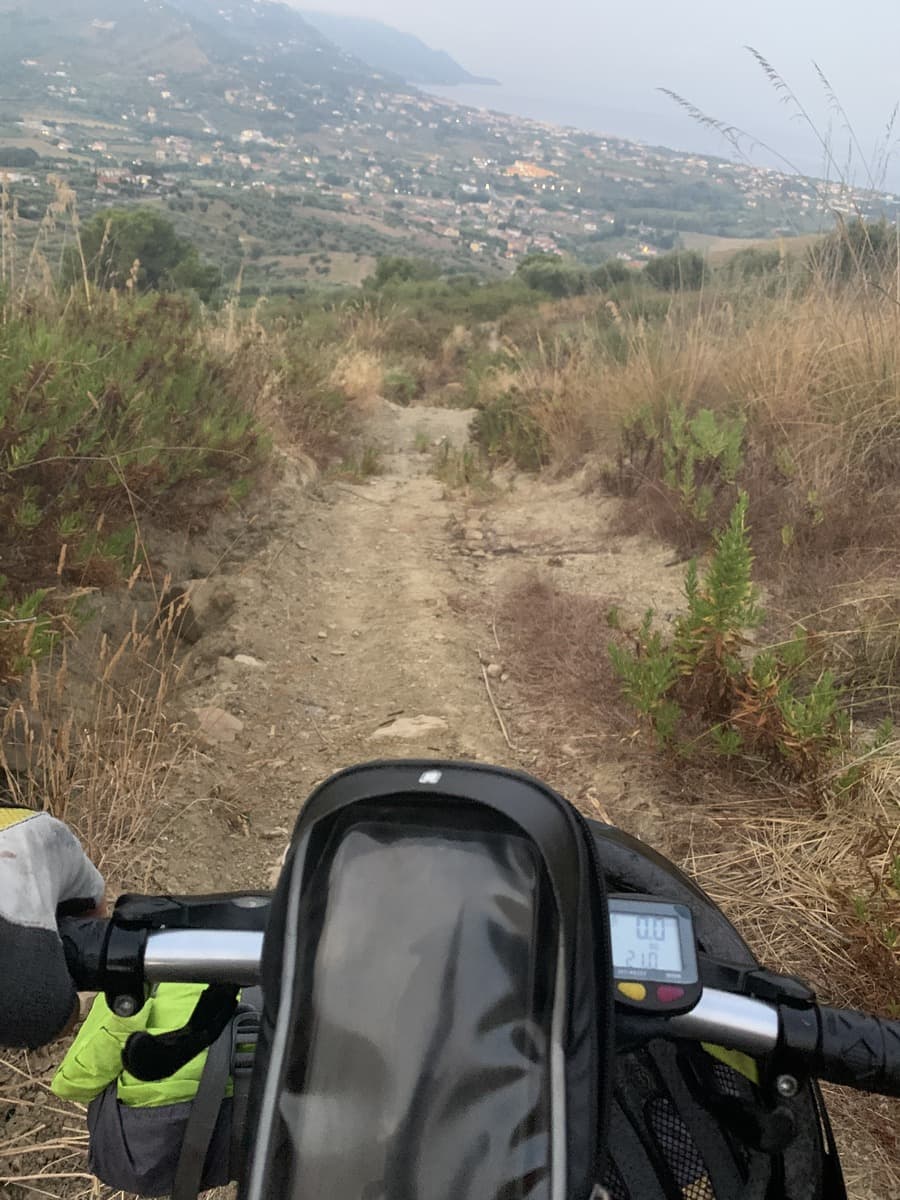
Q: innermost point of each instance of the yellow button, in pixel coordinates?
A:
(634, 991)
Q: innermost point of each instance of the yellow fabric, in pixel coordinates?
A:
(736, 1059)
(14, 816)
(95, 1058)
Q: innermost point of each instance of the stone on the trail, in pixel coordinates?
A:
(196, 608)
(569, 750)
(247, 660)
(474, 534)
(479, 554)
(322, 635)
(217, 726)
(504, 677)
(409, 728)
(494, 670)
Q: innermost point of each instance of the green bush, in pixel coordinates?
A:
(400, 385)
(139, 245)
(700, 690)
(395, 269)
(698, 457)
(106, 414)
(506, 428)
(609, 274)
(753, 263)
(548, 273)
(700, 453)
(855, 250)
(682, 270)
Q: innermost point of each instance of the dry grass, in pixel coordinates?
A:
(817, 380)
(555, 643)
(93, 740)
(815, 375)
(99, 761)
(792, 879)
(359, 373)
(788, 874)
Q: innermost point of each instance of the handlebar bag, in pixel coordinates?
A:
(173, 1136)
(437, 1020)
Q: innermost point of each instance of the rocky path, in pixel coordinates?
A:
(346, 642)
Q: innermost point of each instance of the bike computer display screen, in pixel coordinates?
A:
(647, 942)
(652, 940)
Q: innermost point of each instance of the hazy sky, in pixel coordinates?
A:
(600, 63)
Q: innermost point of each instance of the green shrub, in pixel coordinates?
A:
(139, 247)
(107, 414)
(550, 274)
(698, 457)
(506, 428)
(752, 263)
(701, 453)
(361, 466)
(682, 270)
(700, 690)
(400, 385)
(461, 469)
(855, 250)
(27, 630)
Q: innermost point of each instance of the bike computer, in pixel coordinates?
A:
(654, 954)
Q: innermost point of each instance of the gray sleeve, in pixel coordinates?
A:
(42, 865)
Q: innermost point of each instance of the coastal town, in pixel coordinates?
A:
(368, 169)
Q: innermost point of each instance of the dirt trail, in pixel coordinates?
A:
(349, 610)
(363, 605)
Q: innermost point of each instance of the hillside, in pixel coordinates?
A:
(274, 148)
(177, 63)
(386, 49)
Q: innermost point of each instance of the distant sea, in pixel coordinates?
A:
(661, 124)
(657, 128)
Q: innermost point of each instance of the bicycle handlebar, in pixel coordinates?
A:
(837, 1045)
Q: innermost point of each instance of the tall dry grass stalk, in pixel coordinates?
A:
(36, 280)
(92, 740)
(99, 754)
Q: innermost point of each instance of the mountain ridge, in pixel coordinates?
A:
(386, 48)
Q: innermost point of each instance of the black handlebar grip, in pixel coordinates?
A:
(842, 1046)
(84, 942)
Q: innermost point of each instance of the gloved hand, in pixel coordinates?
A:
(42, 866)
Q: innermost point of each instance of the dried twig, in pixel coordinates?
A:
(361, 495)
(497, 713)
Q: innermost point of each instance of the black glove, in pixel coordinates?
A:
(42, 866)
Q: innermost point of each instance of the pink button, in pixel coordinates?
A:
(668, 993)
